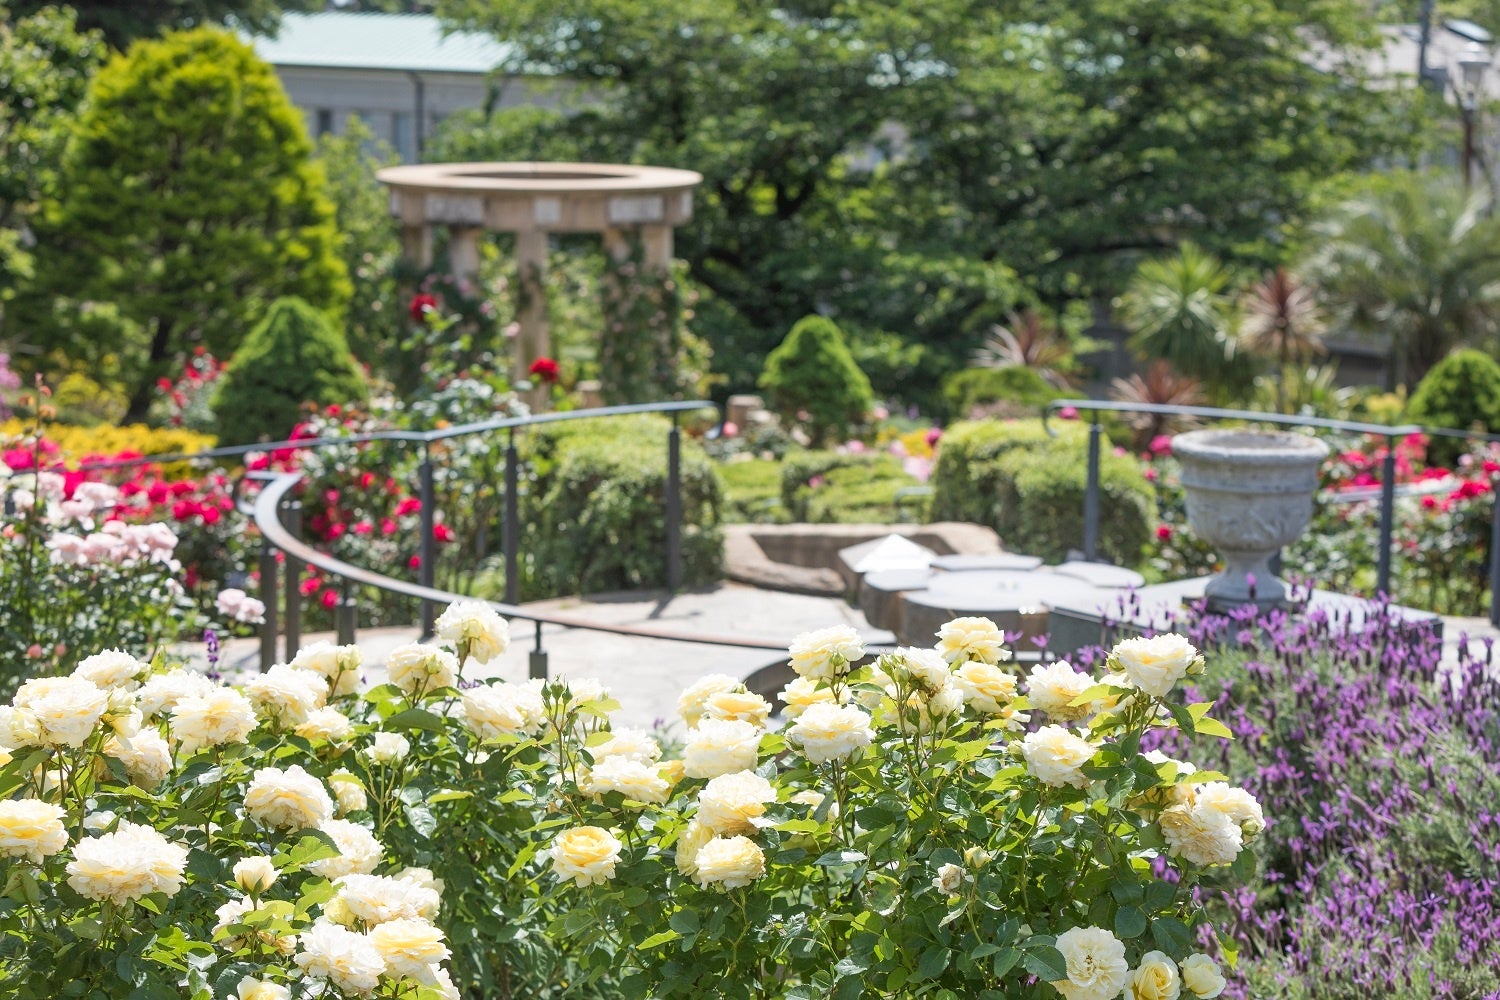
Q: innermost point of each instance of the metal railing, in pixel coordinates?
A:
(1389, 432)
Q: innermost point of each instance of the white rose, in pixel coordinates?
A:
(509, 709)
(411, 949)
(19, 727)
(950, 878)
(741, 705)
(584, 690)
(418, 669)
(1056, 756)
(718, 747)
(127, 864)
(286, 695)
(388, 748)
(348, 790)
(826, 653)
(987, 689)
(1202, 835)
(637, 781)
(31, 829)
(422, 878)
(1096, 964)
(1236, 803)
(802, 693)
(348, 960)
(731, 803)
(146, 756)
(291, 799)
(1156, 664)
(1154, 979)
(921, 669)
(1052, 688)
(376, 899)
(972, 639)
(729, 863)
(328, 724)
(475, 628)
(236, 605)
(338, 665)
(212, 719)
(632, 744)
(359, 851)
(1200, 974)
(831, 732)
(67, 709)
(111, 668)
(689, 843)
(586, 854)
(161, 692)
(690, 704)
(251, 988)
(255, 874)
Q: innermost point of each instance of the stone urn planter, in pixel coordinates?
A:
(1249, 493)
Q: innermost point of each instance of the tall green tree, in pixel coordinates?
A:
(1180, 311)
(123, 21)
(187, 201)
(45, 65)
(1412, 263)
(896, 165)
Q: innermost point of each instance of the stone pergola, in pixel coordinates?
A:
(624, 204)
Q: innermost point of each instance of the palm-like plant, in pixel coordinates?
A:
(1029, 342)
(1181, 313)
(1282, 321)
(1159, 385)
(1415, 261)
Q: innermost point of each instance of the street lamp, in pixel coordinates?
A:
(1472, 64)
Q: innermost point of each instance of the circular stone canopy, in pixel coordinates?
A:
(558, 197)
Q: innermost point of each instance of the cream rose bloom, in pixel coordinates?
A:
(410, 948)
(291, 799)
(327, 724)
(1236, 803)
(388, 748)
(359, 851)
(689, 842)
(972, 640)
(731, 803)
(720, 746)
(987, 689)
(1096, 964)
(286, 695)
(19, 727)
(348, 791)
(802, 693)
(637, 781)
(631, 744)
(1052, 688)
(1155, 665)
(950, 878)
(213, 719)
(1056, 756)
(831, 732)
(127, 864)
(1201, 834)
(161, 692)
(475, 628)
(338, 665)
(1201, 975)
(922, 669)
(826, 653)
(251, 988)
(503, 709)
(113, 668)
(422, 878)
(31, 829)
(376, 899)
(66, 709)
(420, 669)
(740, 705)
(691, 703)
(585, 854)
(146, 756)
(1154, 979)
(729, 863)
(255, 874)
(348, 960)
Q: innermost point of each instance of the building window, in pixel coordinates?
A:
(401, 137)
(325, 121)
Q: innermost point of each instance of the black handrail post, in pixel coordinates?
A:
(674, 507)
(1091, 495)
(537, 669)
(428, 570)
(512, 522)
(268, 595)
(291, 516)
(1495, 551)
(346, 617)
(1387, 517)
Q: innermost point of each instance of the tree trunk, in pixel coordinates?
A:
(140, 397)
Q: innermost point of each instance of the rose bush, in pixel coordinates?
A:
(165, 835)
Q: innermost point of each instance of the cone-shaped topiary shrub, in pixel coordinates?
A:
(292, 356)
(1461, 391)
(812, 379)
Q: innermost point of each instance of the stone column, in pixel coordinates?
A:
(657, 242)
(534, 339)
(416, 244)
(463, 251)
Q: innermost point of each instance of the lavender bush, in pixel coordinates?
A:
(1382, 765)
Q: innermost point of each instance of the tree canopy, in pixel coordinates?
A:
(899, 166)
(123, 21)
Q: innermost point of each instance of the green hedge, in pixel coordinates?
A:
(851, 488)
(1461, 391)
(1029, 487)
(752, 491)
(1019, 388)
(596, 509)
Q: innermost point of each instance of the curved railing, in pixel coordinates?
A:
(1391, 433)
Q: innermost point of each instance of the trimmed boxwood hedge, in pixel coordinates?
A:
(1029, 487)
(596, 509)
(855, 488)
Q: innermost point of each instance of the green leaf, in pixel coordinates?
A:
(1172, 936)
(933, 962)
(415, 718)
(1130, 922)
(1046, 963)
(659, 939)
(1005, 959)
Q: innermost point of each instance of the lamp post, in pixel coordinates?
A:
(1472, 64)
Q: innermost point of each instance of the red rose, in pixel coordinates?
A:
(544, 369)
(420, 305)
(1163, 532)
